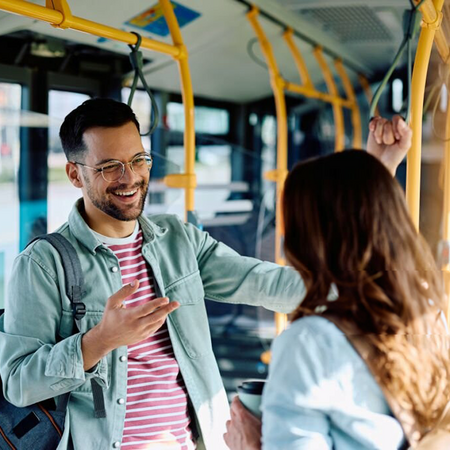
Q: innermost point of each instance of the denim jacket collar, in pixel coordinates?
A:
(84, 235)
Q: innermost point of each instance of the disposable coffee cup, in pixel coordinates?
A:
(250, 392)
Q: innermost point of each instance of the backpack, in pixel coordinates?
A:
(40, 426)
(436, 439)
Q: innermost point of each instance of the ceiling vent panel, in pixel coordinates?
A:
(350, 24)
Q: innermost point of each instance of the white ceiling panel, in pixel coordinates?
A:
(217, 42)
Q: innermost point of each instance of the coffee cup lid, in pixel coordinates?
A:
(254, 387)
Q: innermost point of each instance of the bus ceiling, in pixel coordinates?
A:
(221, 45)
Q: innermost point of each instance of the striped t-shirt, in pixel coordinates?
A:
(157, 415)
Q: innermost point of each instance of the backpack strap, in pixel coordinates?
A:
(73, 274)
(74, 288)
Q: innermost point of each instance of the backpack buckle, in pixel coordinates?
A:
(79, 310)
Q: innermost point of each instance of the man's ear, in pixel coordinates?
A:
(74, 174)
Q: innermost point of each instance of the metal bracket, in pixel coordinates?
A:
(63, 7)
(276, 175)
(183, 53)
(181, 180)
(433, 25)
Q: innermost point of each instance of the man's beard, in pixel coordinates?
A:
(111, 209)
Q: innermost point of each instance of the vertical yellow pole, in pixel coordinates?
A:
(350, 94)
(188, 102)
(339, 141)
(446, 217)
(277, 84)
(298, 59)
(419, 76)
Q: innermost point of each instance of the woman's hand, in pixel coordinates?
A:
(243, 430)
(389, 141)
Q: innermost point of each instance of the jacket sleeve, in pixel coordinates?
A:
(34, 365)
(231, 278)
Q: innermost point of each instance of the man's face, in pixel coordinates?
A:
(123, 199)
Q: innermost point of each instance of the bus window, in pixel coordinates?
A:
(207, 120)
(61, 193)
(10, 101)
(142, 108)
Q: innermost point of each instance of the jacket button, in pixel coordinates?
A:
(114, 269)
(123, 358)
(116, 444)
(121, 401)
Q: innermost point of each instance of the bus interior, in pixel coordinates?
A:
(244, 90)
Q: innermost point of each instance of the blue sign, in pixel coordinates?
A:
(153, 20)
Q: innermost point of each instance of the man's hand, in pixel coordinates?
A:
(389, 141)
(124, 326)
(243, 430)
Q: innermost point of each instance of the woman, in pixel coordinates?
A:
(349, 235)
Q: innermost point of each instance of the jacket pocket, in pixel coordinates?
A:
(190, 319)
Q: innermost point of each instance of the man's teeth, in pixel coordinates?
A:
(125, 193)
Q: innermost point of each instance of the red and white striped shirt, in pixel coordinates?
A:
(157, 415)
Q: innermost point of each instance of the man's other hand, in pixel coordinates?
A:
(389, 141)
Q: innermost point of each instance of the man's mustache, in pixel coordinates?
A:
(125, 187)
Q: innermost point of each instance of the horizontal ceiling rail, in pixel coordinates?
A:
(303, 37)
(65, 20)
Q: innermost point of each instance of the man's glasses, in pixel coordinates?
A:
(115, 170)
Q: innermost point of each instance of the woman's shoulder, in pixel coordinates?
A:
(315, 326)
(316, 339)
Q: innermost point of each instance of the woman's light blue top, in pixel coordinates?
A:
(320, 394)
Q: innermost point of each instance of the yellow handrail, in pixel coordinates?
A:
(446, 216)
(280, 174)
(58, 14)
(298, 58)
(313, 93)
(279, 86)
(350, 93)
(307, 87)
(188, 180)
(58, 19)
(432, 17)
(337, 109)
(420, 70)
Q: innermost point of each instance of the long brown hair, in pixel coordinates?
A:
(346, 224)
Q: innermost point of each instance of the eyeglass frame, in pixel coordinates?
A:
(129, 163)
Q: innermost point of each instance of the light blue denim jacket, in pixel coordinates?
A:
(41, 358)
(320, 395)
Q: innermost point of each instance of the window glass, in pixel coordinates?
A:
(207, 120)
(142, 108)
(10, 101)
(61, 193)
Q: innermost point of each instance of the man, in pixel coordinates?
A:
(148, 344)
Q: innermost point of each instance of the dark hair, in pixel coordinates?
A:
(346, 224)
(96, 112)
